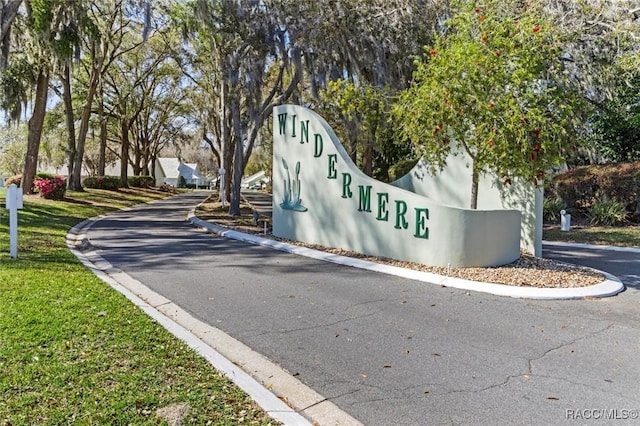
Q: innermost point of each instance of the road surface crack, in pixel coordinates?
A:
(342, 321)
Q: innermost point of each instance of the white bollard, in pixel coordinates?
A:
(221, 172)
(13, 204)
(565, 221)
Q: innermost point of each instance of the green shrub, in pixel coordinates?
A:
(401, 168)
(577, 187)
(46, 175)
(607, 212)
(141, 181)
(110, 183)
(551, 209)
(581, 187)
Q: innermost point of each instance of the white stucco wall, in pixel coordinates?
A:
(452, 187)
(334, 214)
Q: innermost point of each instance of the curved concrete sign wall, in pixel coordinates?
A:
(321, 197)
(452, 187)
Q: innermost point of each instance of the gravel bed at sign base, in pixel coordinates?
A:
(527, 271)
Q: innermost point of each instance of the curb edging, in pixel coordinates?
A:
(266, 384)
(609, 287)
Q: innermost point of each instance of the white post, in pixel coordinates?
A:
(221, 172)
(14, 202)
(565, 221)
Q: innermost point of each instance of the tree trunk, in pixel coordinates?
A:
(146, 158)
(124, 152)
(137, 170)
(35, 132)
(153, 170)
(225, 142)
(234, 202)
(215, 151)
(70, 121)
(252, 136)
(367, 157)
(353, 142)
(5, 45)
(475, 178)
(76, 178)
(103, 134)
(8, 13)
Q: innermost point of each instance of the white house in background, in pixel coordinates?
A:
(255, 181)
(169, 169)
(111, 169)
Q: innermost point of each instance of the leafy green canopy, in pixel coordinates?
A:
(360, 115)
(616, 124)
(486, 88)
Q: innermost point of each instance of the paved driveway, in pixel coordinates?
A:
(625, 264)
(388, 350)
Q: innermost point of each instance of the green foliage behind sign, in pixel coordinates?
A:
(617, 123)
(486, 88)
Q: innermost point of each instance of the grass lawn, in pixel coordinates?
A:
(74, 351)
(626, 236)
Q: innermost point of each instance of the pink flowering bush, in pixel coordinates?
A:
(51, 188)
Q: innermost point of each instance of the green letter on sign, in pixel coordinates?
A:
(401, 210)
(346, 181)
(293, 125)
(364, 200)
(304, 130)
(282, 121)
(421, 223)
(317, 146)
(333, 159)
(383, 199)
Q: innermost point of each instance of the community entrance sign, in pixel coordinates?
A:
(321, 197)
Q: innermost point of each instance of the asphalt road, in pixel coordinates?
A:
(392, 351)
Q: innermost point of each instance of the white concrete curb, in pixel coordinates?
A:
(592, 246)
(208, 341)
(610, 287)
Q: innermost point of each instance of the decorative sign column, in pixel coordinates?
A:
(14, 203)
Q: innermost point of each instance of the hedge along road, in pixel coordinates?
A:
(388, 350)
